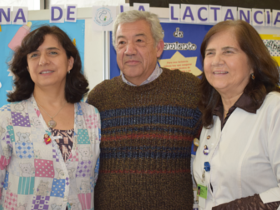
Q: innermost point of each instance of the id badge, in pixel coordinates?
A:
(202, 195)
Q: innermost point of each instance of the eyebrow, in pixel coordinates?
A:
(53, 48)
(121, 36)
(49, 48)
(224, 48)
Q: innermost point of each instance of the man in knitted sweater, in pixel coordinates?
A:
(149, 117)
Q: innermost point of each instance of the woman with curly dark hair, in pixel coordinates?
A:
(240, 107)
(50, 140)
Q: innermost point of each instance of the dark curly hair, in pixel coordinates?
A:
(76, 84)
(264, 67)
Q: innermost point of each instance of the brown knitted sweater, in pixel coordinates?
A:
(147, 133)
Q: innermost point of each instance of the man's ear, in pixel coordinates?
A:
(160, 47)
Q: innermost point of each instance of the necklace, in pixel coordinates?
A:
(52, 123)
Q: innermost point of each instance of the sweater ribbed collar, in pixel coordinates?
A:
(164, 75)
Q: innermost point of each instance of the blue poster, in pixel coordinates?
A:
(7, 32)
(181, 49)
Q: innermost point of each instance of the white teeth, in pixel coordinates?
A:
(220, 72)
(46, 72)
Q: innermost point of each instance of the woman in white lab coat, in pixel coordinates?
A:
(241, 121)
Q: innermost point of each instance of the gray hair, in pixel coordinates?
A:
(135, 15)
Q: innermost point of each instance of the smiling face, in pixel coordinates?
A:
(136, 51)
(48, 65)
(226, 66)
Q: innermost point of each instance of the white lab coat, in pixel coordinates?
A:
(244, 157)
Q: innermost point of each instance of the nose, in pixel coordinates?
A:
(217, 59)
(43, 59)
(130, 49)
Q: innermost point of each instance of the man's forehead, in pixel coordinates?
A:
(137, 28)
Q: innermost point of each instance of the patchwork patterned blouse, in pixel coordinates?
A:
(33, 173)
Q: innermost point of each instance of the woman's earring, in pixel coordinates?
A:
(253, 76)
(69, 72)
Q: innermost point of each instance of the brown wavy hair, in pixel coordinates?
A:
(76, 84)
(265, 68)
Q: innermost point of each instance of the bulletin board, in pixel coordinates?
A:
(192, 35)
(176, 36)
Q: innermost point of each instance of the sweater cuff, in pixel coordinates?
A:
(248, 203)
(271, 195)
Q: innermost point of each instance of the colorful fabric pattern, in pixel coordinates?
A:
(84, 169)
(39, 174)
(65, 143)
(40, 203)
(147, 133)
(10, 200)
(24, 150)
(19, 120)
(26, 185)
(11, 133)
(58, 187)
(44, 168)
